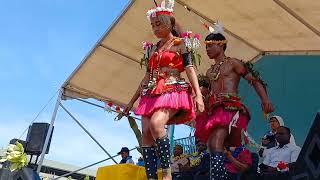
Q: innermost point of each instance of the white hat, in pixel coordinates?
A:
(280, 120)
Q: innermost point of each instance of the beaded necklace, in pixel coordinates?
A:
(158, 52)
(214, 72)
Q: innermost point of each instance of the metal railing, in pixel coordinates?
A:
(188, 144)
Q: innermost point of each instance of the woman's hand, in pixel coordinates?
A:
(198, 103)
(198, 100)
(229, 155)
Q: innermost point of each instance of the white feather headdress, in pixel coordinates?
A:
(166, 8)
(217, 27)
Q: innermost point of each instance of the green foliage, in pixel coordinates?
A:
(16, 156)
(255, 73)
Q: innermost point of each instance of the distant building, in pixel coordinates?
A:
(54, 169)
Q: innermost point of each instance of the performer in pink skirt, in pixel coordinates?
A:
(165, 97)
(225, 116)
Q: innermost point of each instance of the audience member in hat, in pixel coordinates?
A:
(269, 140)
(125, 155)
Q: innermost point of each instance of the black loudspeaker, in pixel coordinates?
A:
(5, 174)
(25, 174)
(36, 137)
(308, 164)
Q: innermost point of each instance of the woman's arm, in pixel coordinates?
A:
(195, 85)
(192, 76)
(193, 80)
(136, 95)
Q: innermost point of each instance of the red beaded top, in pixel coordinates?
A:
(166, 59)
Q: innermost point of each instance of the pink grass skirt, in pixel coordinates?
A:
(220, 117)
(181, 101)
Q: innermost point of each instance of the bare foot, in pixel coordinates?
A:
(166, 174)
(167, 178)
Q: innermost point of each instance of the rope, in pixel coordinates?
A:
(43, 108)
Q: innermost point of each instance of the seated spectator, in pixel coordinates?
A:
(238, 161)
(179, 159)
(284, 152)
(198, 164)
(126, 158)
(281, 158)
(269, 140)
(140, 162)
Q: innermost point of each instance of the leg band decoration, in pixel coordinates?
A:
(150, 162)
(217, 168)
(163, 149)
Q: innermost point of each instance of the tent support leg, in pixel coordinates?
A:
(85, 130)
(46, 142)
(171, 137)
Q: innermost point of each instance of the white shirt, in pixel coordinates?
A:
(175, 166)
(266, 151)
(130, 161)
(292, 140)
(288, 153)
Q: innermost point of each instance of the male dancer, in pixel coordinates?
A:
(225, 115)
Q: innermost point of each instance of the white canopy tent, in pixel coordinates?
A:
(111, 71)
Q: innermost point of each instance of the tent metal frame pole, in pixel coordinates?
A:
(86, 131)
(171, 137)
(119, 53)
(294, 52)
(75, 171)
(257, 57)
(296, 16)
(46, 142)
(96, 105)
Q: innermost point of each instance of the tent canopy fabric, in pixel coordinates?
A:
(111, 71)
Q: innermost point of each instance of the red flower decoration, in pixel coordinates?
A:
(237, 104)
(118, 109)
(234, 98)
(186, 34)
(110, 104)
(227, 104)
(205, 25)
(282, 165)
(197, 36)
(146, 45)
